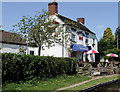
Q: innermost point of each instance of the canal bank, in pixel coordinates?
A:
(89, 83)
(111, 86)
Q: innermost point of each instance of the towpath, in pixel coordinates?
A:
(81, 83)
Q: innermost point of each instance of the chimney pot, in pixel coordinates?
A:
(81, 20)
(53, 8)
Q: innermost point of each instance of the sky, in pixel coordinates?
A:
(98, 15)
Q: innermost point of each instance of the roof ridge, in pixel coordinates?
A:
(81, 26)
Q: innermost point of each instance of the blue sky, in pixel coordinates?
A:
(98, 15)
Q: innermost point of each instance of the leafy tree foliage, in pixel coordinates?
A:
(107, 42)
(117, 37)
(107, 36)
(102, 46)
(42, 30)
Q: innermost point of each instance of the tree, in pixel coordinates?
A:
(41, 30)
(107, 42)
(102, 46)
(107, 36)
(117, 38)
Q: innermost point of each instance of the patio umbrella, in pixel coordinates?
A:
(91, 51)
(112, 55)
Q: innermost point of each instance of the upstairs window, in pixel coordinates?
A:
(80, 36)
(93, 43)
(86, 40)
(69, 30)
(86, 34)
(73, 37)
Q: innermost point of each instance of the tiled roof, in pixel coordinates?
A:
(12, 38)
(64, 19)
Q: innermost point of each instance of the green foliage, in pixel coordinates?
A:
(104, 45)
(117, 37)
(21, 50)
(0, 48)
(42, 30)
(17, 67)
(107, 36)
(1, 30)
(32, 44)
(115, 51)
(107, 42)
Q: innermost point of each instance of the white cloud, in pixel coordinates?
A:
(100, 26)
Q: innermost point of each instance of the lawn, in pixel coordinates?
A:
(92, 83)
(50, 84)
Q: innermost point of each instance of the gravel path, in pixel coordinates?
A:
(78, 84)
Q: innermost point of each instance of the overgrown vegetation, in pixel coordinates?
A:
(17, 67)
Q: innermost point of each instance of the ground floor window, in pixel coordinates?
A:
(89, 47)
(31, 52)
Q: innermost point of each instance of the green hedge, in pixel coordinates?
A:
(16, 67)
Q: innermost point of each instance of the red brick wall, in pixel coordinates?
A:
(53, 8)
(82, 20)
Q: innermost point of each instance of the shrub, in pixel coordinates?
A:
(21, 50)
(17, 67)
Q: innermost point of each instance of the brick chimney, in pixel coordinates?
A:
(53, 8)
(81, 20)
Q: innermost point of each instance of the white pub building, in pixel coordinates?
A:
(82, 40)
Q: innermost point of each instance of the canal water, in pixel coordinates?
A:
(114, 87)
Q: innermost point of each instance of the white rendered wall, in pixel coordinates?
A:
(11, 48)
(55, 51)
(35, 49)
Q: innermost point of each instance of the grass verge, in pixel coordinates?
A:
(92, 83)
(50, 84)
